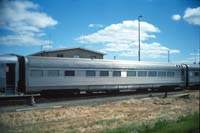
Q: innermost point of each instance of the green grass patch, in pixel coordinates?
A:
(186, 124)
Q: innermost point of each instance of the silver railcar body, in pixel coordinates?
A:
(9, 74)
(36, 74)
(193, 74)
(48, 73)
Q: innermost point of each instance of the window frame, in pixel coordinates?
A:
(150, 74)
(164, 74)
(49, 75)
(170, 72)
(114, 74)
(102, 75)
(90, 71)
(196, 74)
(76, 56)
(32, 75)
(60, 55)
(70, 74)
(131, 75)
(139, 73)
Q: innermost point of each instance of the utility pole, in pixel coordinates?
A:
(195, 58)
(41, 47)
(139, 37)
(199, 49)
(50, 44)
(168, 55)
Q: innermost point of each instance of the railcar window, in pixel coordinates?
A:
(131, 73)
(69, 73)
(53, 73)
(76, 56)
(196, 74)
(152, 73)
(117, 73)
(170, 74)
(161, 74)
(36, 73)
(60, 55)
(191, 73)
(104, 73)
(90, 73)
(142, 73)
(93, 57)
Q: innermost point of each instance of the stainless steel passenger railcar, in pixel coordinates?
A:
(42, 74)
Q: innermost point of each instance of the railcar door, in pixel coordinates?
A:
(184, 75)
(2, 77)
(10, 78)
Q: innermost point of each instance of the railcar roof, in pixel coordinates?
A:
(94, 63)
(8, 58)
(194, 66)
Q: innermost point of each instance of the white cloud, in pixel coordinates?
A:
(122, 32)
(95, 25)
(192, 16)
(21, 40)
(190, 60)
(176, 17)
(25, 21)
(123, 39)
(193, 57)
(47, 46)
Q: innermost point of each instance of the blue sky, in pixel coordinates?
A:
(109, 26)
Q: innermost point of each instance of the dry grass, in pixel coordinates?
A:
(99, 117)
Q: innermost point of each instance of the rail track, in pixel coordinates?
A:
(37, 99)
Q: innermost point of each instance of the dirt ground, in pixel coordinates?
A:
(99, 117)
